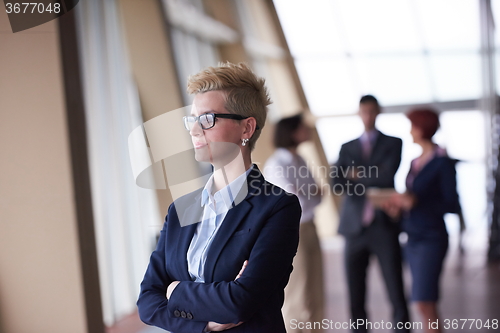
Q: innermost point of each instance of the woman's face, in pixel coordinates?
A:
(220, 144)
(416, 133)
(302, 133)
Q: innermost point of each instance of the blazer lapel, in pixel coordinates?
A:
(231, 222)
(193, 213)
(376, 149)
(189, 210)
(185, 237)
(358, 152)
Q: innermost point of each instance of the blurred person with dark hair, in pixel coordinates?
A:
(304, 296)
(431, 192)
(370, 161)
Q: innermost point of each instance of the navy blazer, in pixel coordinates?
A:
(435, 187)
(380, 170)
(263, 228)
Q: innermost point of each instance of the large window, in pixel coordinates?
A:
(195, 36)
(404, 52)
(124, 214)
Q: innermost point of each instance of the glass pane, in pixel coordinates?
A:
(402, 51)
(399, 126)
(449, 24)
(456, 76)
(334, 131)
(396, 79)
(182, 62)
(309, 27)
(495, 7)
(379, 26)
(462, 134)
(497, 69)
(329, 86)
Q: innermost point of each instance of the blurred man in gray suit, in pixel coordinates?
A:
(370, 161)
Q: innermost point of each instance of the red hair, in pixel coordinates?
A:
(425, 119)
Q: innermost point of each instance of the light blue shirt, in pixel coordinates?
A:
(215, 210)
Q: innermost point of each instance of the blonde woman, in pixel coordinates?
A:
(228, 267)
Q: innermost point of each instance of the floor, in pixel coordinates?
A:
(470, 289)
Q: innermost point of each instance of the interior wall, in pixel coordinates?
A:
(291, 99)
(152, 64)
(40, 275)
(154, 70)
(225, 12)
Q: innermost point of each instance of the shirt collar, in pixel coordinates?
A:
(371, 135)
(440, 151)
(228, 193)
(284, 155)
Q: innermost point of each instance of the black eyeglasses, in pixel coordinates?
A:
(207, 120)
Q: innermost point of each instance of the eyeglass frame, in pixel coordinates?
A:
(215, 115)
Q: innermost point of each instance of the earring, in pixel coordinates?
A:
(244, 142)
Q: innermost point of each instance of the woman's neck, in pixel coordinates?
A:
(292, 150)
(224, 175)
(427, 152)
(427, 147)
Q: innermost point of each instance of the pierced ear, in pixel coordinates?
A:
(250, 126)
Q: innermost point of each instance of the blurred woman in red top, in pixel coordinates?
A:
(431, 192)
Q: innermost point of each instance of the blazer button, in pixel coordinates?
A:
(183, 314)
(189, 315)
(177, 313)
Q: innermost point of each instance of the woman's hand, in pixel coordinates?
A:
(391, 208)
(397, 203)
(241, 270)
(406, 201)
(171, 288)
(212, 326)
(216, 327)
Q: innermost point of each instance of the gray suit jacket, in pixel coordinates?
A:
(379, 171)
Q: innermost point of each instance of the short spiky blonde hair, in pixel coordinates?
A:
(246, 94)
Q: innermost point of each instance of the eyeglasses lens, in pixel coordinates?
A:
(207, 120)
(188, 122)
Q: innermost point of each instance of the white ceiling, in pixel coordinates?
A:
(401, 51)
